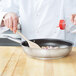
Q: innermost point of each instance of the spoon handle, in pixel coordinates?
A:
(22, 36)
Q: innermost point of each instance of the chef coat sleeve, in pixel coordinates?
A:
(5, 7)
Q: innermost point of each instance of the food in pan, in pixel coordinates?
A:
(49, 47)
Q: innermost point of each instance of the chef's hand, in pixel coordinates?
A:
(73, 19)
(11, 21)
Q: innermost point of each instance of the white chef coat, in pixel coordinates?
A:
(40, 18)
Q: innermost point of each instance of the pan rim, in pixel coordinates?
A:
(68, 43)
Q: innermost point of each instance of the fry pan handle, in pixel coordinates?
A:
(13, 39)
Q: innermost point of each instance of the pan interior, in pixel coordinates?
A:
(49, 42)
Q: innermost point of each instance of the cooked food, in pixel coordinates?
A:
(49, 47)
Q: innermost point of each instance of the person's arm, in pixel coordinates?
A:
(9, 14)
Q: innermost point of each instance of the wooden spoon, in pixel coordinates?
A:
(31, 44)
